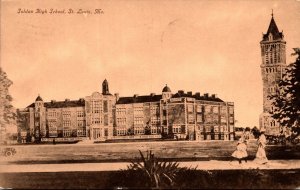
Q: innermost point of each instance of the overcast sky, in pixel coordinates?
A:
(139, 46)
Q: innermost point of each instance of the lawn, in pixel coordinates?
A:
(116, 152)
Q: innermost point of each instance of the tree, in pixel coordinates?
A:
(7, 112)
(286, 101)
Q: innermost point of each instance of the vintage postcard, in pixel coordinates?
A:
(149, 94)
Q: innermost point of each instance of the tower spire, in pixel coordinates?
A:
(272, 13)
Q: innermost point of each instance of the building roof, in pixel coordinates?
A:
(273, 29)
(38, 98)
(198, 97)
(166, 89)
(139, 99)
(156, 98)
(63, 104)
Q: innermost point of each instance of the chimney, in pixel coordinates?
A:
(53, 101)
(197, 94)
(81, 99)
(152, 94)
(205, 95)
(117, 96)
(214, 96)
(190, 93)
(135, 96)
(180, 92)
(67, 100)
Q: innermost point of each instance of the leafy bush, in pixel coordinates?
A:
(153, 173)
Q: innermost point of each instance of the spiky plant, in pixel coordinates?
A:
(158, 174)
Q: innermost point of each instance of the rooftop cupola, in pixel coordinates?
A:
(105, 89)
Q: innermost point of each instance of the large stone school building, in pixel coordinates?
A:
(103, 116)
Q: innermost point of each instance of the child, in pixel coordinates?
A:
(261, 157)
(241, 151)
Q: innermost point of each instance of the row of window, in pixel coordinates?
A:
(155, 120)
(154, 110)
(272, 70)
(222, 128)
(139, 130)
(217, 137)
(272, 57)
(121, 111)
(68, 132)
(138, 111)
(138, 120)
(121, 121)
(272, 89)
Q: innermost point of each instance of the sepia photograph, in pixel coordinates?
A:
(149, 94)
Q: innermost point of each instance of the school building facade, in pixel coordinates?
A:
(103, 116)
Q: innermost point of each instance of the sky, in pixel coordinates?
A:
(140, 46)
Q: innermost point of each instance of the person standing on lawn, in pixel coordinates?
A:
(261, 156)
(241, 151)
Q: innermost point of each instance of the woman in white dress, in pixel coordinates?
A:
(241, 151)
(261, 156)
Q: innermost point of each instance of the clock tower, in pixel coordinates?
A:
(272, 68)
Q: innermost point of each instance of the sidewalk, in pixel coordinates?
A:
(201, 165)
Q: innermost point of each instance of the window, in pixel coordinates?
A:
(121, 121)
(207, 109)
(215, 118)
(154, 110)
(223, 110)
(80, 114)
(223, 119)
(208, 137)
(96, 107)
(67, 132)
(120, 111)
(105, 120)
(216, 129)
(138, 111)
(231, 128)
(80, 123)
(230, 110)
(97, 120)
(105, 106)
(155, 120)
(215, 109)
(139, 130)
(207, 129)
(208, 118)
(121, 131)
(199, 108)
(66, 114)
(190, 108)
(191, 118)
(231, 120)
(67, 123)
(51, 114)
(176, 129)
(199, 118)
(81, 132)
(225, 128)
(52, 132)
(138, 120)
(153, 130)
(221, 128)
